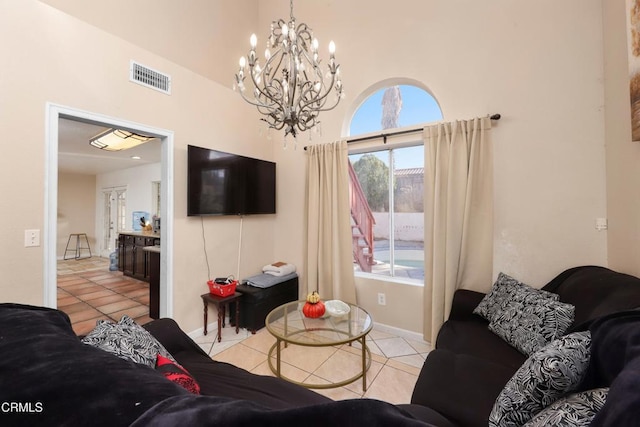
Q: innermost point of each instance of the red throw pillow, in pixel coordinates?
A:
(176, 373)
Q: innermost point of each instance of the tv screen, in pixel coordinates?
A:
(220, 183)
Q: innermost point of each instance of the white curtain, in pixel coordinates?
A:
(329, 250)
(458, 214)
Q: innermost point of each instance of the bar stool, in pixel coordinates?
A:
(78, 248)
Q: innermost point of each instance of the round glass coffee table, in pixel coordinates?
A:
(289, 326)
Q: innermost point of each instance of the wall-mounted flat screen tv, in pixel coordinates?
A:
(220, 183)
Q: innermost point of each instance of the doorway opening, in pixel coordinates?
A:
(114, 206)
(53, 115)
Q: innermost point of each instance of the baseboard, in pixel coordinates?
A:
(415, 336)
(200, 331)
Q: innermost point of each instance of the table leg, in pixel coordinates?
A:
(220, 311)
(224, 313)
(364, 364)
(205, 316)
(237, 316)
(278, 357)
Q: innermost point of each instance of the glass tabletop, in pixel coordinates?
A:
(289, 324)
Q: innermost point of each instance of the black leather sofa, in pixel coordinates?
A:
(48, 377)
(470, 365)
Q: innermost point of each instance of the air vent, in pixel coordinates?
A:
(149, 77)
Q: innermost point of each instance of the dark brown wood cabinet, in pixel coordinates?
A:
(132, 260)
(154, 282)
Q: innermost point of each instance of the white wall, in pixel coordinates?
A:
(76, 214)
(54, 57)
(139, 189)
(538, 63)
(623, 155)
(207, 37)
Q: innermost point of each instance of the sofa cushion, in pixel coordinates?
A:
(595, 292)
(575, 410)
(545, 377)
(127, 340)
(213, 411)
(461, 387)
(226, 380)
(75, 384)
(426, 414)
(475, 339)
(530, 324)
(615, 363)
(507, 290)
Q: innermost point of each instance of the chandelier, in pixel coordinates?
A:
(289, 87)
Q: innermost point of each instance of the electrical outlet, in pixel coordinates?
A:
(601, 224)
(382, 299)
(31, 238)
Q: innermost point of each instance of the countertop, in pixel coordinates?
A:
(141, 233)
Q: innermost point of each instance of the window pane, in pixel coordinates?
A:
(386, 110)
(408, 214)
(395, 201)
(370, 240)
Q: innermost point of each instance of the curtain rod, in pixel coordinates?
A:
(400, 132)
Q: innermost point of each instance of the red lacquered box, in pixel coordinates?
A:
(222, 290)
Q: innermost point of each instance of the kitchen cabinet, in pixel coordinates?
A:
(133, 261)
(154, 280)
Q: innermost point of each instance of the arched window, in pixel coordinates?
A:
(388, 209)
(395, 107)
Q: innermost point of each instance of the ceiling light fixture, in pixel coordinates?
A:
(117, 140)
(290, 88)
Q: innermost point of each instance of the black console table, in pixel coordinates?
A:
(256, 303)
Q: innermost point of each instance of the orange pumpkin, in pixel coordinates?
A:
(313, 308)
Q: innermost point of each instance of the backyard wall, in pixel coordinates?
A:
(407, 225)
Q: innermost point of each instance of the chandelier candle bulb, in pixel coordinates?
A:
(253, 40)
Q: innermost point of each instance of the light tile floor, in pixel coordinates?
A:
(395, 365)
(88, 291)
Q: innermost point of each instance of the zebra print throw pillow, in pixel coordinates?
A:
(127, 340)
(507, 290)
(530, 325)
(575, 410)
(546, 376)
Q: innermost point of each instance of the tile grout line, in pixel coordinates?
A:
(104, 288)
